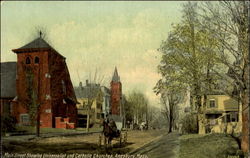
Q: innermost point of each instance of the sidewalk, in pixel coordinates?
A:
(166, 146)
(137, 150)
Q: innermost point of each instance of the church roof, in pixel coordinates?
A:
(37, 44)
(116, 77)
(8, 79)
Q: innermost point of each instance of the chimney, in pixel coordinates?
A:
(87, 82)
(80, 84)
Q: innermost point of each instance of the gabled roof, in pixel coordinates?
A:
(116, 77)
(8, 79)
(90, 91)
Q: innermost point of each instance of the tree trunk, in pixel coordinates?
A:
(200, 120)
(38, 125)
(170, 124)
(88, 120)
(38, 107)
(146, 116)
(245, 47)
(203, 112)
(170, 118)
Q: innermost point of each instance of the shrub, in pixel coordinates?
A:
(189, 124)
(7, 123)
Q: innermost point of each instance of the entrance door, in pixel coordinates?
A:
(82, 121)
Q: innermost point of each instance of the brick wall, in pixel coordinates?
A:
(116, 94)
(41, 85)
(62, 88)
(48, 76)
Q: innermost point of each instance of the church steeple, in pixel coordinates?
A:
(116, 94)
(116, 77)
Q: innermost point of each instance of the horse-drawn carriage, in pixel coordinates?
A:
(112, 130)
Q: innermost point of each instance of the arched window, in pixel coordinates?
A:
(27, 60)
(36, 60)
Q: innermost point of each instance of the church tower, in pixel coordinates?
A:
(116, 94)
(43, 81)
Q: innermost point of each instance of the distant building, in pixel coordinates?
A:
(99, 102)
(8, 86)
(116, 94)
(116, 100)
(90, 100)
(106, 107)
(43, 79)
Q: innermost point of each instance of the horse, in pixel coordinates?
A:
(109, 133)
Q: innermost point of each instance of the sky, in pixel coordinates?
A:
(95, 37)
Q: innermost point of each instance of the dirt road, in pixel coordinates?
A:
(80, 144)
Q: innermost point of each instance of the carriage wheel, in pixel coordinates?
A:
(120, 139)
(100, 140)
(105, 141)
(125, 137)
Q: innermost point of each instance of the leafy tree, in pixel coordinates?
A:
(229, 23)
(32, 101)
(188, 55)
(172, 92)
(7, 123)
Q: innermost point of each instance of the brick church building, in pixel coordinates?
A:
(116, 94)
(43, 80)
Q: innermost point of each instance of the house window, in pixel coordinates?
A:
(24, 119)
(27, 60)
(212, 103)
(63, 87)
(48, 110)
(36, 60)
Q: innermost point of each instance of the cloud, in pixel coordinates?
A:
(128, 44)
(89, 42)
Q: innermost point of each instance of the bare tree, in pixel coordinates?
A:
(229, 23)
(138, 106)
(170, 103)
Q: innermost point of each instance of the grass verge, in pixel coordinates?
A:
(207, 146)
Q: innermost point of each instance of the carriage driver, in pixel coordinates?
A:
(112, 125)
(106, 119)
